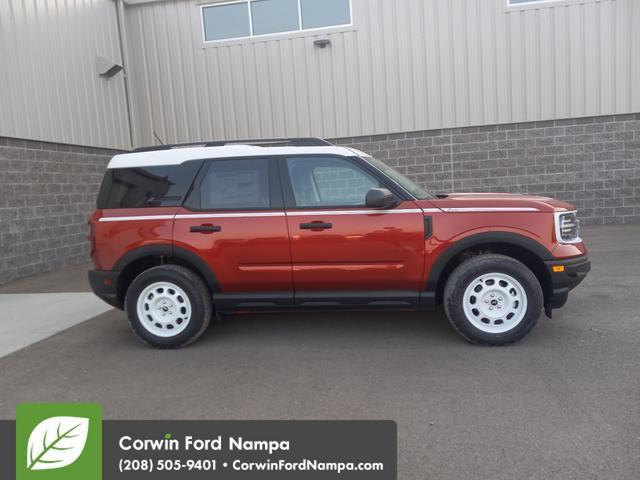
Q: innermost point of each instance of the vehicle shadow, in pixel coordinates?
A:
(332, 326)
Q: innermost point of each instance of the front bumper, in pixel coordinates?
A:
(566, 276)
(105, 285)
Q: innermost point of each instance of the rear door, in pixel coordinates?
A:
(234, 220)
(344, 253)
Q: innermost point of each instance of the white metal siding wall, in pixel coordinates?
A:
(50, 88)
(405, 65)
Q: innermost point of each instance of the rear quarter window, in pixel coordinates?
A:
(139, 187)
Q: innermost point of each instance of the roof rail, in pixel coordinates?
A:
(294, 142)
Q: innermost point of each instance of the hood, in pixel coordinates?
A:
(497, 200)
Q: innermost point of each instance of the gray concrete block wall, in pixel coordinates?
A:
(592, 162)
(47, 192)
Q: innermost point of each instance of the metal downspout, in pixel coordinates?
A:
(125, 64)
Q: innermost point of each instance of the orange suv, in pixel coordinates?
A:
(185, 231)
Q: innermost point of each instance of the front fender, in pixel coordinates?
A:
(471, 240)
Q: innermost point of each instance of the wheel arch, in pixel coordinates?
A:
(522, 248)
(140, 259)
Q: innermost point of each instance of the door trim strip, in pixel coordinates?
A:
(304, 213)
(231, 215)
(489, 209)
(136, 217)
(297, 213)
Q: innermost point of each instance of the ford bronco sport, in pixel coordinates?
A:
(185, 231)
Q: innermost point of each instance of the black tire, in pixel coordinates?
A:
(475, 267)
(198, 296)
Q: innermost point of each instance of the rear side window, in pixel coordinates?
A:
(235, 184)
(157, 186)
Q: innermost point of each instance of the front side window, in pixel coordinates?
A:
(248, 18)
(414, 189)
(235, 184)
(328, 182)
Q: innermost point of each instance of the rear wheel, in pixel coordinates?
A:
(493, 299)
(168, 306)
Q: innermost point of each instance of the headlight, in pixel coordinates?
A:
(567, 227)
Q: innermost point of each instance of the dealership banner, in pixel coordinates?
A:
(67, 441)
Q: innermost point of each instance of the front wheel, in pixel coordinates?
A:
(168, 306)
(493, 299)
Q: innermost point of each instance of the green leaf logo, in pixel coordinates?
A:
(56, 442)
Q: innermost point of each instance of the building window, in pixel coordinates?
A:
(249, 18)
(520, 2)
(225, 21)
(273, 16)
(326, 13)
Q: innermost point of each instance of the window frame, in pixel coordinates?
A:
(193, 203)
(289, 196)
(251, 35)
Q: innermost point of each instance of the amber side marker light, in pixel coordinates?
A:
(558, 268)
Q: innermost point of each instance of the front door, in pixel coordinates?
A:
(234, 220)
(342, 252)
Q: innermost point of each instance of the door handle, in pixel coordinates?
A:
(315, 225)
(206, 228)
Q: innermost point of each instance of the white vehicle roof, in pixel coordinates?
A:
(176, 156)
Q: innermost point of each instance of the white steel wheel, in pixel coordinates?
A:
(164, 309)
(494, 302)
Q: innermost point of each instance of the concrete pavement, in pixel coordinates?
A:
(562, 404)
(35, 308)
(70, 279)
(30, 317)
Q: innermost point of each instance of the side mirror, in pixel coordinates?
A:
(379, 198)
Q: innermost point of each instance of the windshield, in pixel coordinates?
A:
(399, 178)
